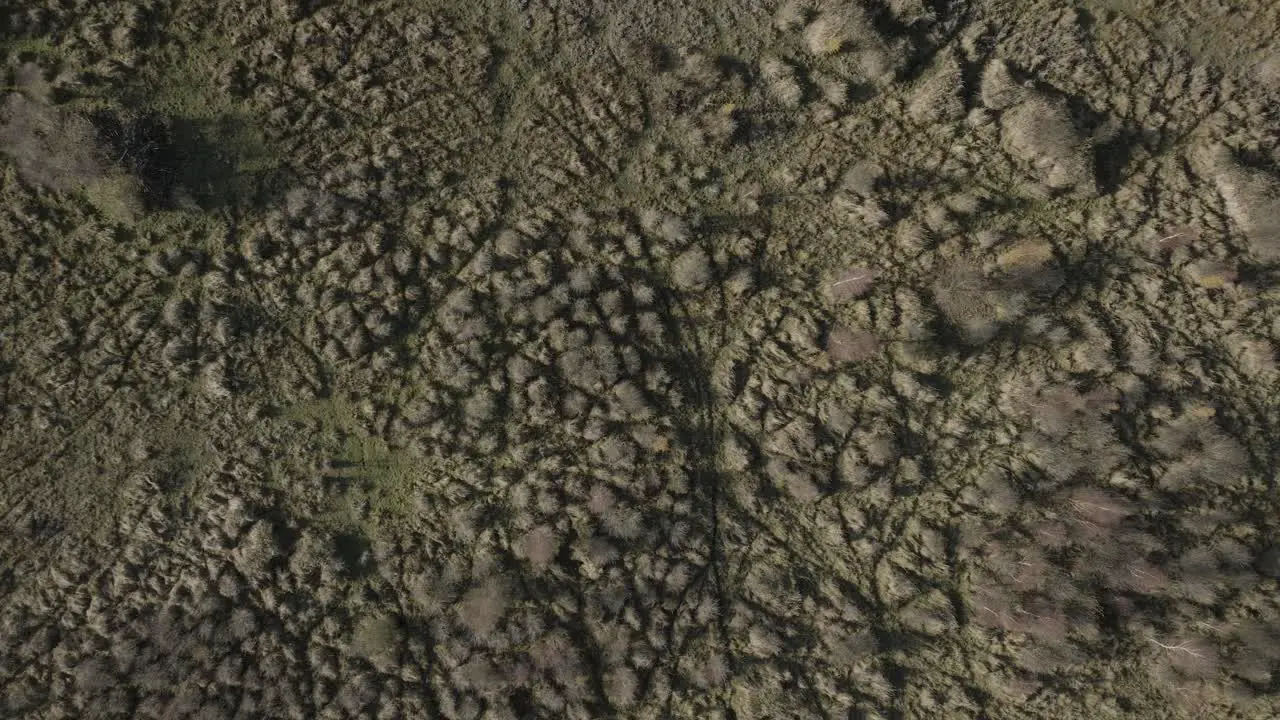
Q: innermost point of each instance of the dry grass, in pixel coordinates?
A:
(50, 148)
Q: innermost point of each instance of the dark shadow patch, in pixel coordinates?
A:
(660, 57)
(938, 383)
(1111, 157)
(352, 550)
(284, 532)
(734, 69)
(185, 163)
(521, 703)
(141, 147)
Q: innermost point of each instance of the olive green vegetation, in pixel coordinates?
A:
(463, 360)
(373, 487)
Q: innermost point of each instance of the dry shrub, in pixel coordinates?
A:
(1186, 659)
(1198, 452)
(999, 496)
(61, 151)
(1041, 618)
(1052, 534)
(538, 546)
(1252, 199)
(1040, 132)
(1212, 274)
(1071, 435)
(1044, 658)
(1256, 657)
(1204, 569)
(973, 304)
(1019, 589)
(1061, 411)
(483, 606)
(850, 345)
(1176, 238)
(851, 283)
(1098, 507)
(781, 82)
(994, 607)
(50, 148)
(620, 687)
(1140, 577)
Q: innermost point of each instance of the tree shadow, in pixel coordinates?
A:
(191, 163)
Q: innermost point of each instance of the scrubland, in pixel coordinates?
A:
(669, 359)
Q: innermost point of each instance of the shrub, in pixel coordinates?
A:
(29, 77)
(973, 305)
(862, 177)
(482, 607)
(830, 32)
(1198, 451)
(620, 687)
(1098, 507)
(1175, 238)
(538, 546)
(622, 522)
(376, 636)
(999, 88)
(1041, 133)
(118, 197)
(1268, 562)
(1252, 199)
(849, 345)
(851, 283)
(691, 269)
(780, 81)
(940, 97)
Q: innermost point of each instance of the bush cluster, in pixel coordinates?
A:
(1081, 570)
